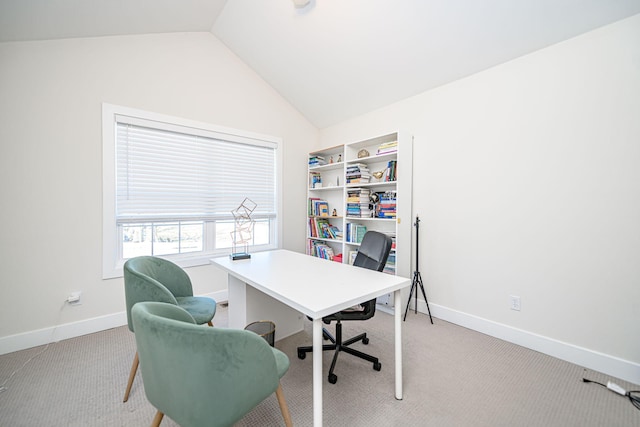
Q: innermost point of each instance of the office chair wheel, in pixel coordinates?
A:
(333, 378)
(302, 354)
(377, 366)
(365, 340)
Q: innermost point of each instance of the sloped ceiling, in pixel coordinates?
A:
(22, 20)
(335, 59)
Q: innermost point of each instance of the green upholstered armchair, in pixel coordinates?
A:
(149, 278)
(181, 363)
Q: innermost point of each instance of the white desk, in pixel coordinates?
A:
(311, 286)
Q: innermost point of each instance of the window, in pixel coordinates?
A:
(170, 186)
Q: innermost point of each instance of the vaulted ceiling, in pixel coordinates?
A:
(334, 59)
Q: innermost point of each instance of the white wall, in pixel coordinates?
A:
(527, 182)
(50, 130)
(525, 176)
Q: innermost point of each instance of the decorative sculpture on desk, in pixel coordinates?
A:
(243, 231)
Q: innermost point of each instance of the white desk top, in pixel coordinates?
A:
(313, 286)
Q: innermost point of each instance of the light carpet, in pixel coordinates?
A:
(452, 377)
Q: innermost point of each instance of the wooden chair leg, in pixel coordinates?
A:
(283, 407)
(209, 323)
(132, 375)
(157, 419)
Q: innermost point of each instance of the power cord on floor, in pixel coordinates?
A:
(3, 386)
(632, 395)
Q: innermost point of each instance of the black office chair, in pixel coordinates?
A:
(372, 254)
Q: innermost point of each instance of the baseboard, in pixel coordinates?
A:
(606, 364)
(610, 365)
(30, 339)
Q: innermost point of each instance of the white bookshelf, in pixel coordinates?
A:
(334, 190)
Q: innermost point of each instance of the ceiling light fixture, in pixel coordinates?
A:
(301, 3)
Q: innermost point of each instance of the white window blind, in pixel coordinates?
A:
(167, 172)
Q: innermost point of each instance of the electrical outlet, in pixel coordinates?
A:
(514, 302)
(74, 298)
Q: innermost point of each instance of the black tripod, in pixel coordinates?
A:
(417, 279)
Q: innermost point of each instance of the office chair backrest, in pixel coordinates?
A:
(372, 254)
(374, 251)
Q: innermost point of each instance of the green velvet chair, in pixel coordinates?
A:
(201, 376)
(149, 278)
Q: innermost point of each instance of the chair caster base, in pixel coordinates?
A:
(333, 378)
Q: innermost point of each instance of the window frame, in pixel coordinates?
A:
(112, 260)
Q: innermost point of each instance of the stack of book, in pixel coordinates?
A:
(355, 232)
(316, 161)
(388, 148)
(315, 180)
(318, 207)
(358, 203)
(358, 173)
(386, 207)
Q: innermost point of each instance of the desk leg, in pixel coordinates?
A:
(317, 372)
(398, 327)
(237, 302)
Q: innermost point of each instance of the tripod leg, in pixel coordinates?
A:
(416, 280)
(425, 297)
(413, 286)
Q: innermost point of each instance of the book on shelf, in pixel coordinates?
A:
(391, 173)
(315, 180)
(387, 148)
(393, 240)
(322, 209)
(318, 207)
(355, 232)
(321, 250)
(321, 228)
(390, 266)
(311, 203)
(317, 161)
